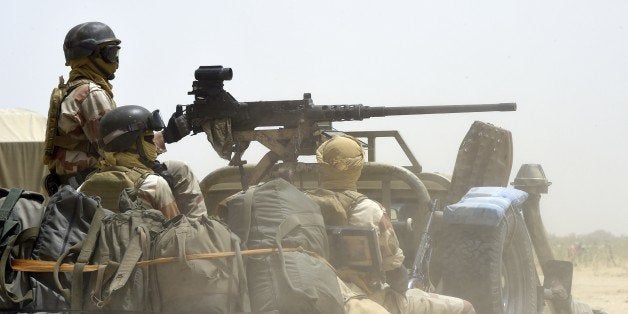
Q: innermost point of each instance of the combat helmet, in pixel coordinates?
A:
(83, 39)
(122, 127)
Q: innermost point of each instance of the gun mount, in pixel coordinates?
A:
(291, 127)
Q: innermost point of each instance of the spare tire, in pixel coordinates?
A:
(491, 266)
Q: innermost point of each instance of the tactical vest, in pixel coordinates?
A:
(336, 207)
(53, 139)
(108, 183)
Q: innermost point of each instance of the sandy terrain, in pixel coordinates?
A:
(602, 287)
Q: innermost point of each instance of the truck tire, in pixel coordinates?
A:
(491, 267)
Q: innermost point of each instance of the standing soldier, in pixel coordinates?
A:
(71, 148)
(341, 160)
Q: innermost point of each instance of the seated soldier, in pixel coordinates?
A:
(341, 160)
(126, 136)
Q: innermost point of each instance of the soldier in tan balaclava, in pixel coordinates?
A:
(340, 162)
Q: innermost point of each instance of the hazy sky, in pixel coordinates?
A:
(565, 63)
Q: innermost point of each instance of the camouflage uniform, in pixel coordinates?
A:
(155, 193)
(80, 114)
(186, 189)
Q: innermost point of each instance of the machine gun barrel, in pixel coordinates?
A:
(417, 110)
(360, 112)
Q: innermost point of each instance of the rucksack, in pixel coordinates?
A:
(276, 214)
(102, 254)
(20, 216)
(125, 239)
(216, 285)
(108, 184)
(54, 110)
(66, 221)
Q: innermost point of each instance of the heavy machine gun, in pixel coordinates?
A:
(291, 128)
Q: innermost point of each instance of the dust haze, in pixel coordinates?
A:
(563, 62)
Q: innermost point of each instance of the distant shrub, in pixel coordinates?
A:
(599, 248)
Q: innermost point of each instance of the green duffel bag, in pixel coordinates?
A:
(293, 282)
(124, 240)
(117, 242)
(275, 214)
(198, 285)
(20, 218)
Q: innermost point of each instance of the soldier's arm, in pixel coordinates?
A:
(155, 193)
(97, 102)
(371, 213)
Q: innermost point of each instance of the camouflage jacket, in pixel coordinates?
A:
(79, 116)
(155, 193)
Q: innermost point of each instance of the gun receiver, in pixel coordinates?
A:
(231, 125)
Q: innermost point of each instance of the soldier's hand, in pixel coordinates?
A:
(398, 279)
(177, 127)
(158, 140)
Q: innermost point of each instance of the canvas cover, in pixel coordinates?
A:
(22, 135)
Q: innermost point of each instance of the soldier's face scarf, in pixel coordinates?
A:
(88, 68)
(126, 159)
(150, 149)
(341, 160)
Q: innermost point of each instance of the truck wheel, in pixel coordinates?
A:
(491, 267)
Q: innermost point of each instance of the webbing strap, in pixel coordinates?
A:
(87, 249)
(92, 236)
(296, 220)
(245, 301)
(9, 203)
(246, 215)
(130, 258)
(76, 299)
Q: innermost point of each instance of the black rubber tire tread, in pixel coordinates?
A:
(472, 260)
(484, 159)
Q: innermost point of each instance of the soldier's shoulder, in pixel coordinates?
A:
(92, 87)
(367, 203)
(82, 90)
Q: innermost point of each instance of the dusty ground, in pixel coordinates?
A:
(603, 287)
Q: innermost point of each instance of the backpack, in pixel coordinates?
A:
(52, 139)
(66, 221)
(123, 240)
(273, 215)
(108, 254)
(216, 285)
(109, 183)
(20, 216)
